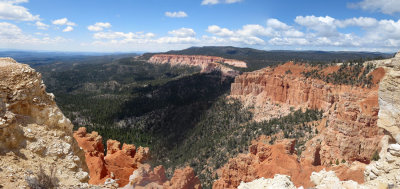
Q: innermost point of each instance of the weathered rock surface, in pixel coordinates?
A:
(118, 164)
(386, 171)
(279, 181)
(206, 63)
(352, 112)
(33, 131)
(144, 177)
(195, 60)
(329, 180)
(265, 160)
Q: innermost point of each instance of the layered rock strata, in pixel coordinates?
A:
(194, 60)
(206, 63)
(34, 132)
(383, 173)
(118, 164)
(387, 169)
(351, 132)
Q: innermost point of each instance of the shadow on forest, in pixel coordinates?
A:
(166, 113)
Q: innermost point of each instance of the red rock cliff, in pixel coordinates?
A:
(119, 163)
(264, 160)
(206, 63)
(127, 165)
(352, 112)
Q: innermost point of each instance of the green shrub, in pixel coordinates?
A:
(375, 157)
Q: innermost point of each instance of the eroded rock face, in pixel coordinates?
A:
(144, 177)
(33, 131)
(118, 164)
(265, 160)
(206, 63)
(386, 171)
(352, 112)
(184, 179)
(279, 181)
(195, 60)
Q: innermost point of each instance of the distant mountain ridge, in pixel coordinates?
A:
(258, 59)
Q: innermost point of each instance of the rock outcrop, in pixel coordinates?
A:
(144, 177)
(118, 164)
(265, 160)
(206, 63)
(386, 171)
(351, 133)
(34, 132)
(279, 181)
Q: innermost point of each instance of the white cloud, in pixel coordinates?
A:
(360, 22)
(99, 26)
(179, 14)
(384, 6)
(183, 32)
(209, 2)
(232, 1)
(68, 29)
(41, 25)
(12, 36)
(276, 24)
(63, 21)
(222, 32)
(213, 2)
(322, 25)
(122, 35)
(254, 34)
(10, 10)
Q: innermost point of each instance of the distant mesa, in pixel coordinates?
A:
(206, 63)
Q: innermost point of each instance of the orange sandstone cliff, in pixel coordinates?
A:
(118, 164)
(206, 63)
(350, 134)
(351, 131)
(127, 165)
(264, 160)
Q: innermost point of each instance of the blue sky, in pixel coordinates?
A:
(160, 25)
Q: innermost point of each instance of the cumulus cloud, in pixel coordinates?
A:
(276, 24)
(99, 26)
(12, 36)
(213, 2)
(310, 32)
(68, 29)
(11, 10)
(183, 32)
(324, 26)
(384, 6)
(179, 14)
(254, 34)
(41, 25)
(122, 35)
(63, 21)
(178, 36)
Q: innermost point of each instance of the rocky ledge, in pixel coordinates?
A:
(34, 132)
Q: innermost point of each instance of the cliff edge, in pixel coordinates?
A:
(34, 132)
